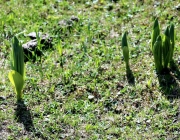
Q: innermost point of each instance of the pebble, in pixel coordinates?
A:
(90, 97)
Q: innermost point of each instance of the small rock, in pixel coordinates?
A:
(2, 98)
(62, 23)
(90, 97)
(32, 35)
(110, 119)
(74, 18)
(46, 119)
(46, 40)
(30, 47)
(30, 50)
(68, 23)
(156, 3)
(3, 107)
(177, 7)
(119, 109)
(113, 34)
(148, 121)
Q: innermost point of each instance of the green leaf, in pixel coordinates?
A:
(126, 54)
(172, 39)
(155, 33)
(124, 40)
(166, 48)
(17, 57)
(125, 49)
(59, 48)
(17, 81)
(157, 53)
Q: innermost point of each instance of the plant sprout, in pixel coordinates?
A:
(166, 48)
(155, 33)
(125, 50)
(172, 39)
(157, 53)
(17, 73)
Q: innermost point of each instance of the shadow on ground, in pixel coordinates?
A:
(169, 82)
(23, 115)
(170, 85)
(130, 76)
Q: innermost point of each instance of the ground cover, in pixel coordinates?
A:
(84, 92)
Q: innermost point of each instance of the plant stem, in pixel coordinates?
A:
(19, 95)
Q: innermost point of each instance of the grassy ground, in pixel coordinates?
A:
(85, 93)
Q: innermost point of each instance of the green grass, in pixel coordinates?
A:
(57, 87)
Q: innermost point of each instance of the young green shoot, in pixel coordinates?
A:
(157, 53)
(172, 39)
(125, 50)
(166, 48)
(17, 73)
(155, 33)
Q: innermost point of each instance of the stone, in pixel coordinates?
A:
(74, 18)
(30, 45)
(90, 97)
(177, 7)
(31, 50)
(2, 98)
(68, 23)
(32, 35)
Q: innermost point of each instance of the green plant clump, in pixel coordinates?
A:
(162, 49)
